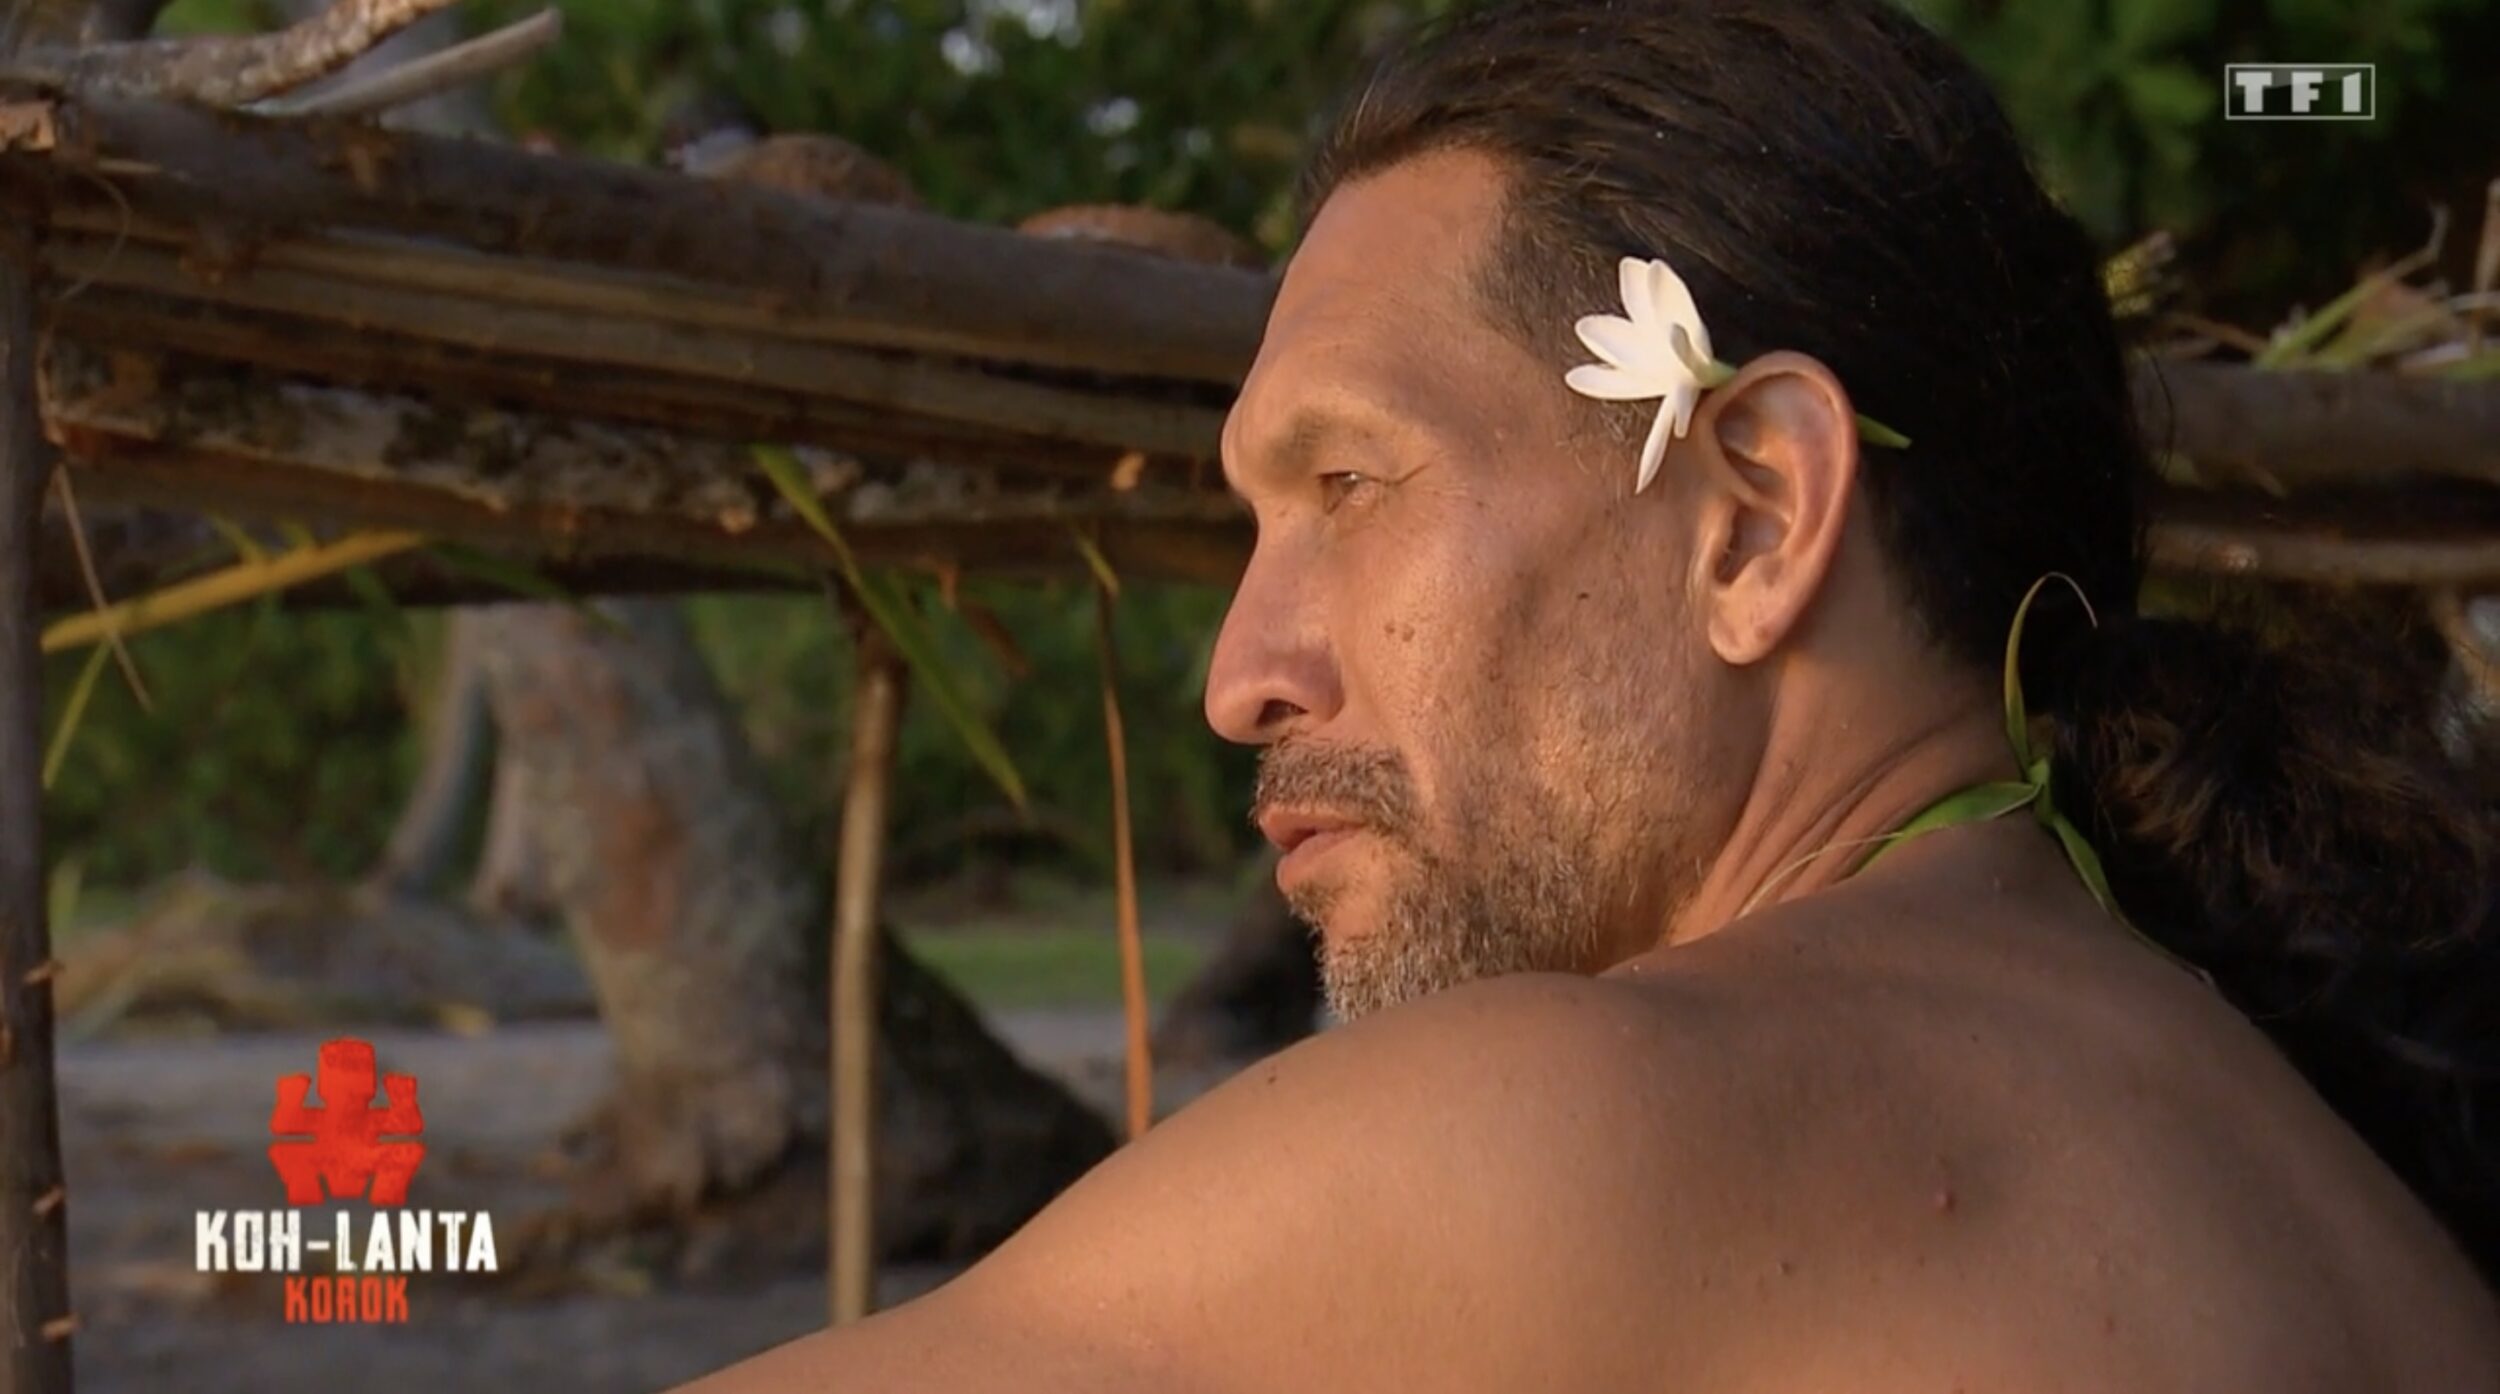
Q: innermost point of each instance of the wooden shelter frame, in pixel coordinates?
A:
(566, 359)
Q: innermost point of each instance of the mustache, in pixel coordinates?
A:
(1368, 784)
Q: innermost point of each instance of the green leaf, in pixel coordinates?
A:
(499, 572)
(73, 709)
(1977, 804)
(2363, 342)
(1098, 563)
(2290, 348)
(241, 541)
(893, 614)
(2087, 863)
(2018, 721)
(784, 470)
(1877, 433)
(378, 599)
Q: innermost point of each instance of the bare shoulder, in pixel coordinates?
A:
(1474, 1191)
(1428, 1196)
(1483, 1190)
(1850, 1173)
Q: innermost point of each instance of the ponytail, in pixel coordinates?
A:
(2280, 824)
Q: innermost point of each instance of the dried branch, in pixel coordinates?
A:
(439, 71)
(1139, 1082)
(146, 550)
(224, 71)
(877, 692)
(95, 590)
(244, 581)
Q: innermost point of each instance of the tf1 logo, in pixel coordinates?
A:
(2299, 91)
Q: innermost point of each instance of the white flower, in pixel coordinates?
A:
(1657, 348)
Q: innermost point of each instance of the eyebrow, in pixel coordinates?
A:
(1309, 434)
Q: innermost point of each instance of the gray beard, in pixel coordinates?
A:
(1531, 907)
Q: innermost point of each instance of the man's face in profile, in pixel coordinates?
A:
(1480, 701)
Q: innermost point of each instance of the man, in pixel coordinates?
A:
(1653, 1081)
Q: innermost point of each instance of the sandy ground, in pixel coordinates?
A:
(154, 1130)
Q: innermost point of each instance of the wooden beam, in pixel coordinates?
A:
(138, 329)
(35, 1319)
(2437, 542)
(2307, 430)
(163, 431)
(880, 276)
(303, 311)
(1030, 541)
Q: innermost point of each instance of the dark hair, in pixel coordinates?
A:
(1832, 178)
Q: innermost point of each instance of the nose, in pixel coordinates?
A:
(1273, 672)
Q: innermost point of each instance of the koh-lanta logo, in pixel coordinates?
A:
(346, 1147)
(2299, 91)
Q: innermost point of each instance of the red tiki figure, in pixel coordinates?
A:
(346, 1150)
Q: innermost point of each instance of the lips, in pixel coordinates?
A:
(1304, 838)
(1289, 829)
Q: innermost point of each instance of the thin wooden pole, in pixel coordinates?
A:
(1141, 1070)
(876, 716)
(35, 1321)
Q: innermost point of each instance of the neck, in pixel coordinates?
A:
(1834, 778)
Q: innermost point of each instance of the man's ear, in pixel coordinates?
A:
(1781, 452)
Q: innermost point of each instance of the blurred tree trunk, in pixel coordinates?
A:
(1257, 994)
(457, 751)
(509, 882)
(626, 797)
(701, 926)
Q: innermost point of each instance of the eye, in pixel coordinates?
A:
(1343, 487)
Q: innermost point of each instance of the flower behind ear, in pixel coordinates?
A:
(1659, 347)
(1649, 351)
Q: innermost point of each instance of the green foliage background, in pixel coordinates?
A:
(280, 743)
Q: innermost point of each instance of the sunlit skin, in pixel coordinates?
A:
(1449, 578)
(1764, 1125)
